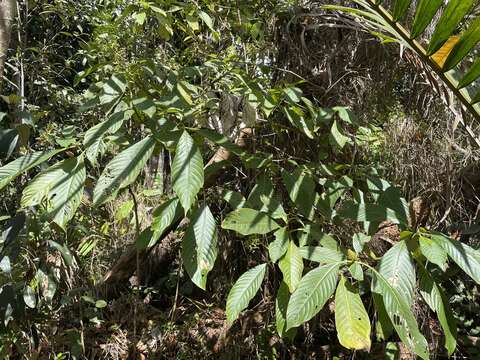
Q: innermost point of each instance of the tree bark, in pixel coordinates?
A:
(7, 15)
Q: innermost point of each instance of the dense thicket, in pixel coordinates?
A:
(230, 179)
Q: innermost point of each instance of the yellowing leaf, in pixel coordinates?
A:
(442, 54)
(351, 318)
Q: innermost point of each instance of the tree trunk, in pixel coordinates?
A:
(7, 14)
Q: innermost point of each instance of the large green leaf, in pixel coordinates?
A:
(433, 252)
(321, 254)
(187, 171)
(291, 266)
(463, 255)
(437, 301)
(278, 247)
(426, 10)
(466, 43)
(301, 189)
(401, 316)
(93, 140)
(62, 185)
(243, 291)
(248, 221)
(351, 318)
(199, 246)
(398, 268)
(453, 14)
(122, 170)
(16, 167)
(313, 291)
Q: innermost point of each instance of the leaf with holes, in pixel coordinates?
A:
(398, 269)
(438, 302)
(351, 318)
(243, 291)
(187, 171)
(401, 316)
(199, 246)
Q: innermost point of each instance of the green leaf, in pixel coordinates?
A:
(140, 18)
(297, 119)
(301, 189)
(63, 250)
(263, 198)
(351, 318)
(243, 291)
(291, 266)
(62, 185)
(100, 304)
(315, 288)
(93, 140)
(16, 167)
(337, 137)
(206, 19)
(122, 170)
(476, 98)
(187, 171)
(321, 254)
(233, 198)
(248, 221)
(426, 10)
(278, 247)
(401, 316)
(29, 297)
(356, 271)
(221, 140)
(433, 252)
(281, 306)
(451, 17)
(472, 74)
(383, 326)
(466, 43)
(438, 302)
(398, 269)
(400, 9)
(182, 89)
(463, 255)
(199, 246)
(369, 213)
(359, 241)
(163, 217)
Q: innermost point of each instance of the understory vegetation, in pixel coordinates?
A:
(239, 179)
